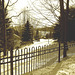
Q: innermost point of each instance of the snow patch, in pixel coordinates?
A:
(67, 67)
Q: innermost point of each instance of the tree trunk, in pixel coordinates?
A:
(4, 28)
(63, 23)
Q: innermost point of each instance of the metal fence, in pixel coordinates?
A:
(21, 61)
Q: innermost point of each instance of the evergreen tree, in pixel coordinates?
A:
(27, 32)
(70, 27)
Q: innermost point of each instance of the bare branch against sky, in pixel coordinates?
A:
(43, 11)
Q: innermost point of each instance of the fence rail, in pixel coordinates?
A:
(21, 61)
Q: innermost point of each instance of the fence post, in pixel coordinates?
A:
(11, 52)
(0, 63)
(59, 53)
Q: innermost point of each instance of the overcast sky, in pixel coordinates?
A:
(31, 4)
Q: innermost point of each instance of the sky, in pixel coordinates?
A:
(23, 4)
(32, 10)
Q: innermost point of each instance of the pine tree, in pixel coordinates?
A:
(71, 27)
(27, 32)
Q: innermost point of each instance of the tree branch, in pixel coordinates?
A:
(7, 4)
(42, 14)
(51, 9)
(13, 3)
(16, 15)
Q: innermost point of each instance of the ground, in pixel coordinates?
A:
(52, 67)
(65, 67)
(17, 52)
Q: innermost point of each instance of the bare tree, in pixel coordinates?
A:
(63, 19)
(54, 9)
(4, 8)
(47, 9)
